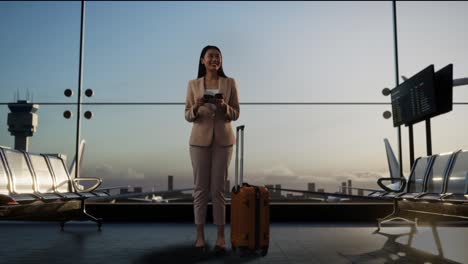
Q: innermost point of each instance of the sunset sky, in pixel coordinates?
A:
(139, 52)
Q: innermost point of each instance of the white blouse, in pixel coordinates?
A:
(211, 92)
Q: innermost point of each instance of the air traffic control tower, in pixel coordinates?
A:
(22, 122)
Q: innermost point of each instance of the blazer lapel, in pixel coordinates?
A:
(200, 87)
(223, 88)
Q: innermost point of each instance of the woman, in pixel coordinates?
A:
(211, 139)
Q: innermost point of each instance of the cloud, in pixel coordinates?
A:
(279, 170)
(132, 173)
(277, 174)
(367, 175)
(330, 180)
(107, 171)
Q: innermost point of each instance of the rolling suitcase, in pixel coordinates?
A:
(250, 210)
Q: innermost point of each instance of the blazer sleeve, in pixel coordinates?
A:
(232, 107)
(190, 115)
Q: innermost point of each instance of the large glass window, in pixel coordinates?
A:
(142, 145)
(335, 57)
(39, 50)
(277, 51)
(40, 55)
(431, 33)
(53, 133)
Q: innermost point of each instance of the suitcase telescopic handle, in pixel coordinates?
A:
(236, 183)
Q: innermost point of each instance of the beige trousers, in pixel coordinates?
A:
(210, 171)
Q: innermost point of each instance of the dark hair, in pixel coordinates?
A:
(201, 67)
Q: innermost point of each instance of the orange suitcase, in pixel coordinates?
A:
(250, 211)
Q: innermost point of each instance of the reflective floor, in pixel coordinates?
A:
(26, 242)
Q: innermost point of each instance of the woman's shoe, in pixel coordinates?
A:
(200, 249)
(220, 250)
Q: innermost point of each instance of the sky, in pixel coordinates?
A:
(277, 51)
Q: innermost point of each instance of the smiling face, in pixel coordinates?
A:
(212, 60)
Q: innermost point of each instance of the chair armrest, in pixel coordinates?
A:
(402, 187)
(446, 195)
(90, 189)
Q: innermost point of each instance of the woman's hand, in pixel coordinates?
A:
(220, 104)
(199, 102)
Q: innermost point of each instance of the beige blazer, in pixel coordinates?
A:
(207, 123)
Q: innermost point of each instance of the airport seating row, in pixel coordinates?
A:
(27, 179)
(437, 186)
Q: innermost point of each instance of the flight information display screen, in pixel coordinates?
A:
(414, 100)
(444, 89)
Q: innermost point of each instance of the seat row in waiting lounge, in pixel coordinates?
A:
(437, 186)
(36, 181)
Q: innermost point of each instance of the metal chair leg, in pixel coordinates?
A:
(98, 221)
(394, 216)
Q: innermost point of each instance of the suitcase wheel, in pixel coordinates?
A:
(264, 251)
